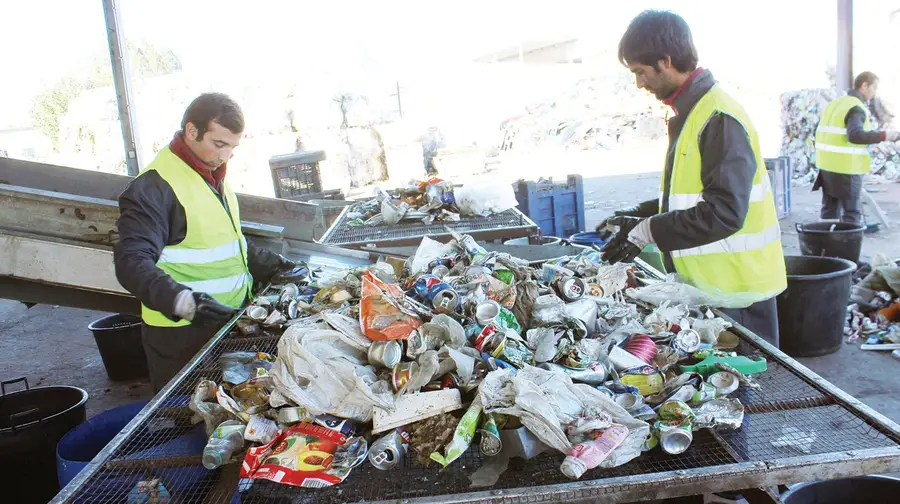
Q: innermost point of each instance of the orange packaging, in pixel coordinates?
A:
(381, 316)
(890, 313)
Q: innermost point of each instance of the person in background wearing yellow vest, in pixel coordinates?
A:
(841, 154)
(181, 251)
(715, 220)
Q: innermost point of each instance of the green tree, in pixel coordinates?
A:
(146, 60)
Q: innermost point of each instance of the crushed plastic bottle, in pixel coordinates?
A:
(227, 438)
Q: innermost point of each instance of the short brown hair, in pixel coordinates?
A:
(654, 35)
(217, 107)
(864, 78)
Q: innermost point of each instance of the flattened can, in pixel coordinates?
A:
(402, 373)
(443, 297)
(385, 353)
(440, 271)
(490, 437)
(467, 243)
(570, 288)
(687, 341)
(675, 439)
(388, 450)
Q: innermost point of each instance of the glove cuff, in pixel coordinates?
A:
(641, 236)
(185, 306)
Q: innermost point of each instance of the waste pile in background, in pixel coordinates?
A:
(432, 200)
(873, 314)
(462, 350)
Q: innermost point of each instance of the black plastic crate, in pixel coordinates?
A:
(296, 174)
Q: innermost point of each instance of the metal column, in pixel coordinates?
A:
(119, 62)
(844, 68)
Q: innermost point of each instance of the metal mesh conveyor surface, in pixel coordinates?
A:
(797, 427)
(509, 224)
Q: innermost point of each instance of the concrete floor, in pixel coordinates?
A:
(52, 345)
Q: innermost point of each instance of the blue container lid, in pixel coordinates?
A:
(588, 238)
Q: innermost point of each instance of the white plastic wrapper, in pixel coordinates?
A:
(321, 372)
(584, 310)
(543, 340)
(674, 290)
(547, 403)
(428, 251)
(484, 198)
(548, 309)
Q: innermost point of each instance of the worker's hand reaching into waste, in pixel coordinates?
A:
(288, 271)
(202, 309)
(892, 136)
(632, 211)
(633, 235)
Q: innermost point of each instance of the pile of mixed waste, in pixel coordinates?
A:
(459, 349)
(430, 201)
(801, 112)
(873, 314)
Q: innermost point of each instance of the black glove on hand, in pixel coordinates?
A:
(632, 211)
(619, 249)
(209, 312)
(289, 272)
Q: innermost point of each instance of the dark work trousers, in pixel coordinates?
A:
(170, 348)
(841, 197)
(761, 318)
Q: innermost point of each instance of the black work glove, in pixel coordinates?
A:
(619, 249)
(289, 272)
(210, 313)
(632, 211)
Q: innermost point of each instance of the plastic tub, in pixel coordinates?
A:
(840, 491)
(812, 309)
(587, 239)
(31, 423)
(81, 444)
(831, 239)
(118, 338)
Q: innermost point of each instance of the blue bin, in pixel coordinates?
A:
(80, 445)
(556, 207)
(587, 239)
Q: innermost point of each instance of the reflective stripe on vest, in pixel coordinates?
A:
(212, 258)
(749, 263)
(834, 151)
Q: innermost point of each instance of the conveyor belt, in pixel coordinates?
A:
(505, 225)
(848, 439)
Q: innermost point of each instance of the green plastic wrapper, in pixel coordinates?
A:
(504, 275)
(462, 438)
(675, 413)
(507, 320)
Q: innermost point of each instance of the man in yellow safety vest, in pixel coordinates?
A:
(181, 251)
(841, 154)
(715, 220)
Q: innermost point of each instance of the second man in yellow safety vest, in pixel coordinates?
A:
(181, 251)
(715, 220)
(842, 158)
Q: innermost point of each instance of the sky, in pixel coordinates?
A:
(787, 43)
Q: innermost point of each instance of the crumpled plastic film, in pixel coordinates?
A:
(546, 402)
(320, 372)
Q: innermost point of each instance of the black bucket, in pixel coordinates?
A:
(118, 338)
(811, 311)
(860, 489)
(831, 239)
(32, 421)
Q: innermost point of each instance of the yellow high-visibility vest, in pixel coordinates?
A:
(834, 152)
(749, 262)
(212, 258)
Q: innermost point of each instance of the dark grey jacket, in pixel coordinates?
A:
(150, 218)
(728, 166)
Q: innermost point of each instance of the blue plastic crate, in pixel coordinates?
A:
(780, 175)
(557, 208)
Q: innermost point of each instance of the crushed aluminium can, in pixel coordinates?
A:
(686, 342)
(387, 452)
(490, 437)
(570, 288)
(402, 373)
(470, 246)
(440, 271)
(431, 289)
(385, 353)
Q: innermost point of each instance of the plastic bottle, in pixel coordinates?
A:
(225, 440)
(591, 453)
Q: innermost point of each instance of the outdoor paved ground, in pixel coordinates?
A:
(52, 345)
